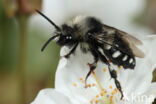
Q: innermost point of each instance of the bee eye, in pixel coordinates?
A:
(68, 37)
(89, 34)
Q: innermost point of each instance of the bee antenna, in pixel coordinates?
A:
(48, 19)
(48, 41)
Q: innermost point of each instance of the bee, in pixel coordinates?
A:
(102, 41)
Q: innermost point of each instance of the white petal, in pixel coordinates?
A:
(142, 75)
(151, 90)
(145, 98)
(132, 81)
(51, 96)
(151, 45)
(72, 69)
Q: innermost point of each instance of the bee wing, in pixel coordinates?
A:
(125, 39)
(136, 51)
(132, 42)
(130, 38)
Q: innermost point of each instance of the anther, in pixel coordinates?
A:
(111, 98)
(91, 101)
(96, 101)
(116, 89)
(101, 94)
(105, 92)
(80, 78)
(113, 93)
(97, 96)
(105, 69)
(74, 84)
(93, 84)
(89, 85)
(121, 67)
(110, 87)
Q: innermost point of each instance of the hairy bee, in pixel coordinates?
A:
(104, 42)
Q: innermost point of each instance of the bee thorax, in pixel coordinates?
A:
(84, 46)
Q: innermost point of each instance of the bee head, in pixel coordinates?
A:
(63, 36)
(66, 36)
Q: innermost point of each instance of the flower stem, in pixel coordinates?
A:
(22, 58)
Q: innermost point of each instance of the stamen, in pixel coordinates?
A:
(110, 87)
(101, 94)
(91, 101)
(116, 90)
(105, 69)
(121, 67)
(105, 92)
(93, 84)
(103, 89)
(96, 101)
(113, 93)
(74, 84)
(96, 79)
(89, 85)
(80, 78)
(98, 83)
(111, 99)
(97, 96)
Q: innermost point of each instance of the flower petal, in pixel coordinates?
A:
(132, 81)
(69, 71)
(51, 96)
(151, 90)
(151, 45)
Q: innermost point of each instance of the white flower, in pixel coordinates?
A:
(69, 84)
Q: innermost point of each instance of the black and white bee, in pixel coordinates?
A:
(102, 41)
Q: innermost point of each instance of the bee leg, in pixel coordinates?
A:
(71, 51)
(92, 66)
(117, 83)
(112, 72)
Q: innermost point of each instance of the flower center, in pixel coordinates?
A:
(105, 96)
(102, 91)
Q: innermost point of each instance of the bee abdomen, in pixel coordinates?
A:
(119, 58)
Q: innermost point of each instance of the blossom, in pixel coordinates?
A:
(69, 84)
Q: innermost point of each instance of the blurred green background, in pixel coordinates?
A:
(24, 69)
(39, 68)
